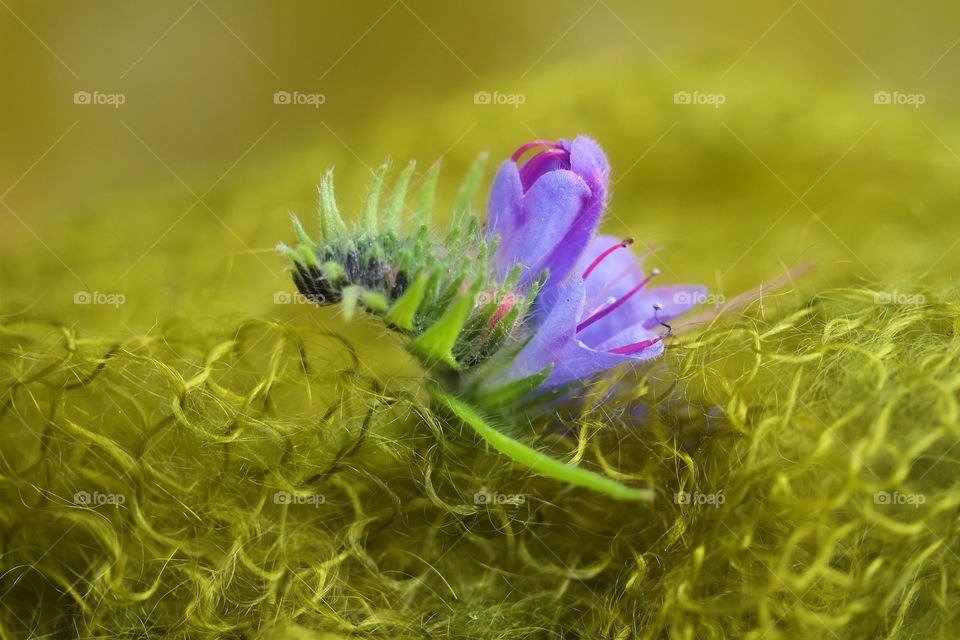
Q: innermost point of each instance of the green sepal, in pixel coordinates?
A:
(535, 460)
(332, 271)
(394, 212)
(424, 208)
(452, 290)
(331, 224)
(468, 188)
(479, 320)
(512, 392)
(513, 278)
(404, 310)
(534, 291)
(292, 254)
(348, 303)
(302, 236)
(368, 218)
(308, 255)
(376, 302)
(436, 343)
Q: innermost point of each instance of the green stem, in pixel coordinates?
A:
(533, 459)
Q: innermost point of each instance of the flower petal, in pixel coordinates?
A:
(552, 335)
(579, 362)
(505, 212)
(588, 161)
(551, 206)
(555, 342)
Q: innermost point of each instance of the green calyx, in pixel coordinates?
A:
(459, 316)
(439, 293)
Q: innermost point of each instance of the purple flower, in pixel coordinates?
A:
(547, 208)
(595, 311)
(602, 316)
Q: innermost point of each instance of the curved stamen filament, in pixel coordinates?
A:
(626, 242)
(620, 301)
(643, 344)
(620, 276)
(636, 346)
(550, 144)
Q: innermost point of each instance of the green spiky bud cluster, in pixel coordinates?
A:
(439, 290)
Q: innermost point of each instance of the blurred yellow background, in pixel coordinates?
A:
(153, 150)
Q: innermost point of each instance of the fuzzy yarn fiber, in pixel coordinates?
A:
(202, 463)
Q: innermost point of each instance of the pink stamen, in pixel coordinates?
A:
(609, 287)
(620, 301)
(626, 242)
(643, 344)
(623, 274)
(550, 144)
(601, 306)
(636, 346)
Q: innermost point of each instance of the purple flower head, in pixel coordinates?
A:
(604, 315)
(546, 208)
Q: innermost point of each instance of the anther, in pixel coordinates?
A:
(657, 308)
